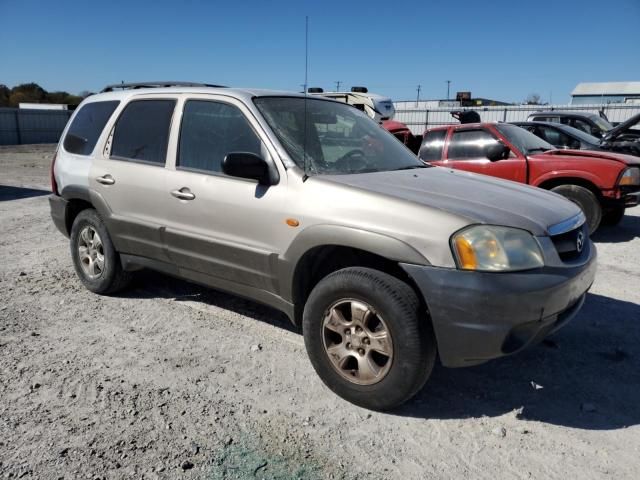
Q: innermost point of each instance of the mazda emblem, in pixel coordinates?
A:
(580, 242)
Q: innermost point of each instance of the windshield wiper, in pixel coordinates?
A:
(409, 167)
(540, 149)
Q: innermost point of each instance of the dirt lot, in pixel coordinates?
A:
(171, 380)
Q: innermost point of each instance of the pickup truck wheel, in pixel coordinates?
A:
(586, 200)
(367, 337)
(94, 258)
(613, 216)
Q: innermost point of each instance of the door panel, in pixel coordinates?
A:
(229, 228)
(130, 176)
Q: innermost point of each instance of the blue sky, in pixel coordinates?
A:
(496, 49)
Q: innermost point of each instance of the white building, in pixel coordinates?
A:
(606, 92)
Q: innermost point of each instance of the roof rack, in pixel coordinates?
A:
(126, 86)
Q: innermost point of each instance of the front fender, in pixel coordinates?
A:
(337, 235)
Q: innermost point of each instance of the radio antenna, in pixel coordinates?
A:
(306, 73)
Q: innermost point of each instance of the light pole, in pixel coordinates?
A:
(418, 97)
(448, 86)
(338, 82)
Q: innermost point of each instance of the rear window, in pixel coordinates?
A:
(142, 131)
(87, 126)
(432, 145)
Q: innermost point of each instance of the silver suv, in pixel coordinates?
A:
(305, 204)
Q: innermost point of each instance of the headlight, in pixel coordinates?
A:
(495, 249)
(630, 177)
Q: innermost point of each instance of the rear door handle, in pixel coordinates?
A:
(106, 180)
(183, 194)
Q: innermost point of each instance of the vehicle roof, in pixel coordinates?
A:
(556, 113)
(245, 94)
(572, 131)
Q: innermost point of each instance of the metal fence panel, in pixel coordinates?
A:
(419, 118)
(22, 126)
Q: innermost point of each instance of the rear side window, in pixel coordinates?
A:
(211, 130)
(87, 126)
(432, 145)
(470, 144)
(142, 131)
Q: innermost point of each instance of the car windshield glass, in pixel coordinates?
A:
(339, 138)
(601, 123)
(579, 134)
(526, 141)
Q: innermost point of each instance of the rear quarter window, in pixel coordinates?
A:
(87, 125)
(142, 131)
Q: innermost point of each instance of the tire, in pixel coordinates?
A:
(103, 277)
(393, 308)
(586, 200)
(613, 216)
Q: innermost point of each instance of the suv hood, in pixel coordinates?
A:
(623, 127)
(478, 198)
(591, 154)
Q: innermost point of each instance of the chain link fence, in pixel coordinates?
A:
(418, 119)
(22, 126)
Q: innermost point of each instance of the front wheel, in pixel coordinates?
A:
(586, 200)
(368, 338)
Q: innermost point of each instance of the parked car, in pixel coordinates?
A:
(603, 184)
(307, 205)
(404, 134)
(624, 138)
(591, 123)
(378, 107)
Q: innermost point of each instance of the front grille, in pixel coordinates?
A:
(567, 243)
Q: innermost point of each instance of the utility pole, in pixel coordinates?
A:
(338, 82)
(418, 97)
(448, 86)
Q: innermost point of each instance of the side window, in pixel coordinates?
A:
(470, 144)
(432, 145)
(87, 126)
(551, 135)
(209, 131)
(142, 131)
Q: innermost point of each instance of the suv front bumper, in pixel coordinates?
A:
(479, 316)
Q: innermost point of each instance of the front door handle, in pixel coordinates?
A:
(106, 180)
(183, 194)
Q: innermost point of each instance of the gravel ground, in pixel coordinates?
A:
(173, 380)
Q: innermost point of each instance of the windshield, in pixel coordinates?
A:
(526, 141)
(579, 134)
(339, 139)
(601, 123)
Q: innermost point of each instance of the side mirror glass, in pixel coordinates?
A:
(247, 165)
(497, 151)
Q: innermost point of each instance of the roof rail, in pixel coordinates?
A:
(126, 86)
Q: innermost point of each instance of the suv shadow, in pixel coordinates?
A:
(589, 363)
(588, 371)
(9, 192)
(627, 229)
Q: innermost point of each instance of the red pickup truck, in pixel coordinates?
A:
(603, 184)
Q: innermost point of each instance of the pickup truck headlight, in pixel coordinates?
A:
(630, 177)
(491, 248)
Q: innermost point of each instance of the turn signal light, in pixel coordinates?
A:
(466, 255)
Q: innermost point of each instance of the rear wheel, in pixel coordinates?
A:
(613, 216)
(367, 337)
(586, 200)
(95, 259)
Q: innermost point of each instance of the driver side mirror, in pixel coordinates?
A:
(247, 165)
(497, 151)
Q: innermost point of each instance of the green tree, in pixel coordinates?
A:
(5, 93)
(27, 92)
